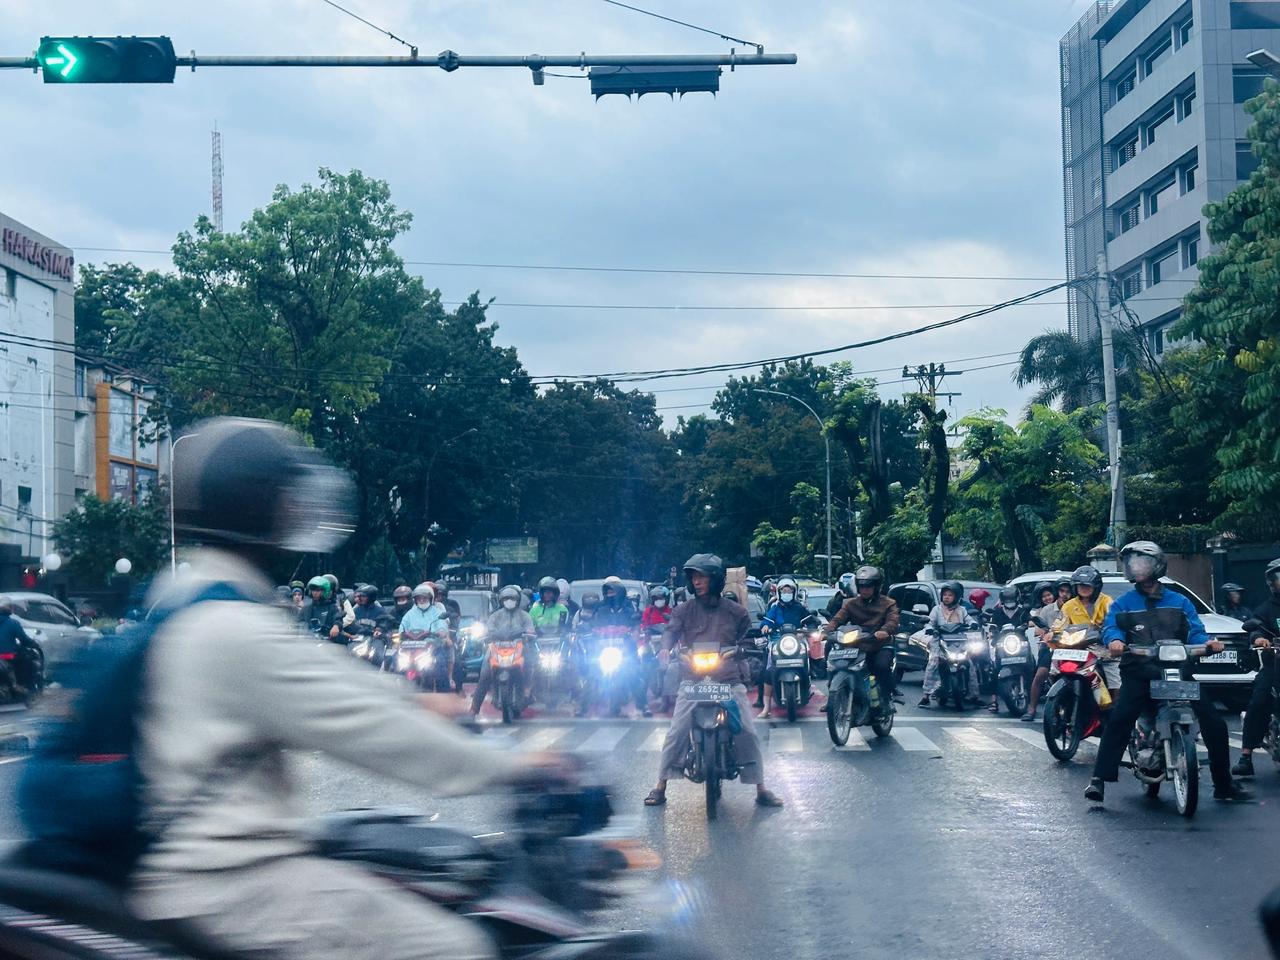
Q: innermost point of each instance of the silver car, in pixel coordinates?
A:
(49, 622)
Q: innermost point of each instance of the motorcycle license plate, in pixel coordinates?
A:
(1079, 656)
(1226, 656)
(1175, 690)
(1005, 660)
(718, 692)
(788, 663)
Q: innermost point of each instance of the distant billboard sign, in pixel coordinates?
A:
(506, 551)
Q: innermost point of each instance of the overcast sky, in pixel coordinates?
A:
(915, 137)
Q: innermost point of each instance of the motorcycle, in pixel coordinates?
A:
(710, 758)
(506, 661)
(613, 672)
(1076, 704)
(649, 648)
(1267, 658)
(789, 667)
(1013, 668)
(535, 889)
(425, 661)
(854, 698)
(1163, 747)
(959, 657)
(554, 665)
(365, 642)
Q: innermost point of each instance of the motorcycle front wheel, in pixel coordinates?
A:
(840, 716)
(792, 696)
(1013, 692)
(1185, 773)
(1061, 732)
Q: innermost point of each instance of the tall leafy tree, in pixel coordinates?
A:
(97, 533)
(1067, 372)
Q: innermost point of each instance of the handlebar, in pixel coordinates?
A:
(1198, 650)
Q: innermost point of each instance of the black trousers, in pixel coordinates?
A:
(1133, 700)
(881, 665)
(1261, 702)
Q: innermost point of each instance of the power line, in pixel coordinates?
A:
(367, 23)
(691, 26)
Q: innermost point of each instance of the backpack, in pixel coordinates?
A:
(81, 794)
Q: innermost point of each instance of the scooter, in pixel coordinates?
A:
(1076, 704)
(1013, 668)
(535, 889)
(789, 667)
(506, 661)
(854, 698)
(710, 758)
(959, 656)
(425, 661)
(613, 670)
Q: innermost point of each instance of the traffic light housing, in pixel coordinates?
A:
(107, 59)
(642, 80)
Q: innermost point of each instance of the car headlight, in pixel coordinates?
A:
(1011, 645)
(610, 659)
(705, 662)
(788, 646)
(976, 646)
(1173, 652)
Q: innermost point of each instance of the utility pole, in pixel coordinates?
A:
(1119, 522)
(930, 377)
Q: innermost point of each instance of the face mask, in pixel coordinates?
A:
(422, 603)
(659, 604)
(786, 596)
(510, 604)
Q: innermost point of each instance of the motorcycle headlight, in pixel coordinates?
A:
(361, 649)
(850, 637)
(476, 631)
(424, 660)
(1074, 638)
(957, 656)
(403, 662)
(549, 660)
(1011, 645)
(976, 646)
(610, 659)
(1173, 653)
(705, 662)
(789, 646)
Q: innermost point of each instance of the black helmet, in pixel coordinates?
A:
(709, 564)
(242, 482)
(954, 586)
(367, 590)
(1272, 572)
(1232, 588)
(1041, 587)
(590, 601)
(1089, 575)
(1062, 582)
(402, 592)
(549, 583)
(869, 577)
(1009, 595)
(1143, 559)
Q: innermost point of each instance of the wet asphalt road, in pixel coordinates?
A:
(958, 836)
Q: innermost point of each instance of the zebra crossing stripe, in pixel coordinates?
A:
(1033, 735)
(856, 741)
(543, 739)
(909, 738)
(971, 739)
(653, 742)
(604, 740)
(786, 740)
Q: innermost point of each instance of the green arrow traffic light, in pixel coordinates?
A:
(63, 58)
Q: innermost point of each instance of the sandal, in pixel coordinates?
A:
(656, 798)
(994, 707)
(767, 798)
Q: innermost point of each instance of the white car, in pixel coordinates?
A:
(49, 622)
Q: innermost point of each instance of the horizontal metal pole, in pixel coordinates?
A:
(18, 63)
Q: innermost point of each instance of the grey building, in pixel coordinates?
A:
(1153, 128)
(37, 370)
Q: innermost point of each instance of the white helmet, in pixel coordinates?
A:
(424, 590)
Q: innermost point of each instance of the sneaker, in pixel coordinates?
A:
(1234, 793)
(924, 701)
(1243, 767)
(1095, 791)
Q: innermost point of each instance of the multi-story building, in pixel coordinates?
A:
(1153, 128)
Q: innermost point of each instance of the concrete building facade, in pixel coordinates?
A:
(37, 370)
(1153, 128)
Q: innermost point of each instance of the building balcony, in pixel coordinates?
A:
(1176, 142)
(1145, 20)
(1153, 90)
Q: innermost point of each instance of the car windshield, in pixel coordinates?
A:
(473, 605)
(1116, 588)
(44, 611)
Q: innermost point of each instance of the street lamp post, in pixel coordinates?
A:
(173, 537)
(826, 440)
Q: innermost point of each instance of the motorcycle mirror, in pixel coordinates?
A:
(1253, 624)
(1040, 623)
(921, 609)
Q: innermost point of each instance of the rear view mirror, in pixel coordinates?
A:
(1040, 623)
(1252, 624)
(921, 609)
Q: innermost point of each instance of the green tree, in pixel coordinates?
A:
(902, 544)
(1066, 371)
(92, 537)
(1235, 312)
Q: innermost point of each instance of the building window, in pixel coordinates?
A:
(1189, 174)
(1246, 83)
(1255, 15)
(1160, 196)
(1185, 29)
(1246, 162)
(1157, 341)
(1190, 252)
(1127, 150)
(1130, 216)
(1131, 283)
(1125, 84)
(1153, 129)
(1159, 55)
(1186, 103)
(1164, 265)
(80, 380)
(24, 501)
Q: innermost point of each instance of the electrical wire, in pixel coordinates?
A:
(691, 26)
(367, 23)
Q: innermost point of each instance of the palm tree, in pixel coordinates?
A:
(1067, 371)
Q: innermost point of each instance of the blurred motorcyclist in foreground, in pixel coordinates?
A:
(1264, 633)
(711, 620)
(231, 689)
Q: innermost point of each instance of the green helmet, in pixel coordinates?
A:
(323, 584)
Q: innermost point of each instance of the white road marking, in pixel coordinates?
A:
(543, 739)
(653, 743)
(909, 738)
(1235, 743)
(972, 739)
(1033, 735)
(856, 741)
(786, 740)
(603, 740)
